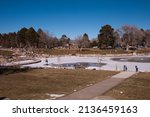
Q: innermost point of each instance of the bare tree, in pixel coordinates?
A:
(64, 41)
(51, 40)
(118, 41)
(83, 41)
(43, 37)
(147, 38)
(47, 40)
(94, 42)
(131, 35)
(78, 41)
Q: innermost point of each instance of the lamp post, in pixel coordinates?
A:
(99, 62)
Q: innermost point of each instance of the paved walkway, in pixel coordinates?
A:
(123, 75)
(99, 88)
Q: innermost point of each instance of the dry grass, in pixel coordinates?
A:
(88, 51)
(6, 53)
(135, 88)
(35, 83)
(77, 51)
(145, 50)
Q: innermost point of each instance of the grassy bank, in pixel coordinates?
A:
(77, 51)
(36, 83)
(135, 88)
(6, 53)
(87, 51)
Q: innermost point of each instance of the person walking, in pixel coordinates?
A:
(136, 69)
(125, 68)
(46, 61)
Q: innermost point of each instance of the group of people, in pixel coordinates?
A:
(125, 68)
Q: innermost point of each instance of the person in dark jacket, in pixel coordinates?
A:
(136, 69)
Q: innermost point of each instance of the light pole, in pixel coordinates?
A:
(99, 62)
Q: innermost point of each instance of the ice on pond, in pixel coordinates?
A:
(95, 63)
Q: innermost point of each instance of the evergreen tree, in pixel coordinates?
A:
(43, 37)
(6, 41)
(21, 37)
(64, 41)
(94, 43)
(85, 41)
(12, 40)
(32, 37)
(106, 38)
(1, 39)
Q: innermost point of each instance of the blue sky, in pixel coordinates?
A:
(72, 17)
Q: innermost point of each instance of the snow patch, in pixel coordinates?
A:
(54, 96)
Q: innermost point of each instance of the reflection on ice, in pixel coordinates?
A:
(79, 65)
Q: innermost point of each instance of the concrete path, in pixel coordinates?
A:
(123, 75)
(99, 88)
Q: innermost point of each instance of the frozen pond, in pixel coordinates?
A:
(95, 62)
(78, 65)
(133, 59)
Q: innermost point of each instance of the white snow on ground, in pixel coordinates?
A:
(110, 64)
(22, 62)
(19, 62)
(54, 96)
